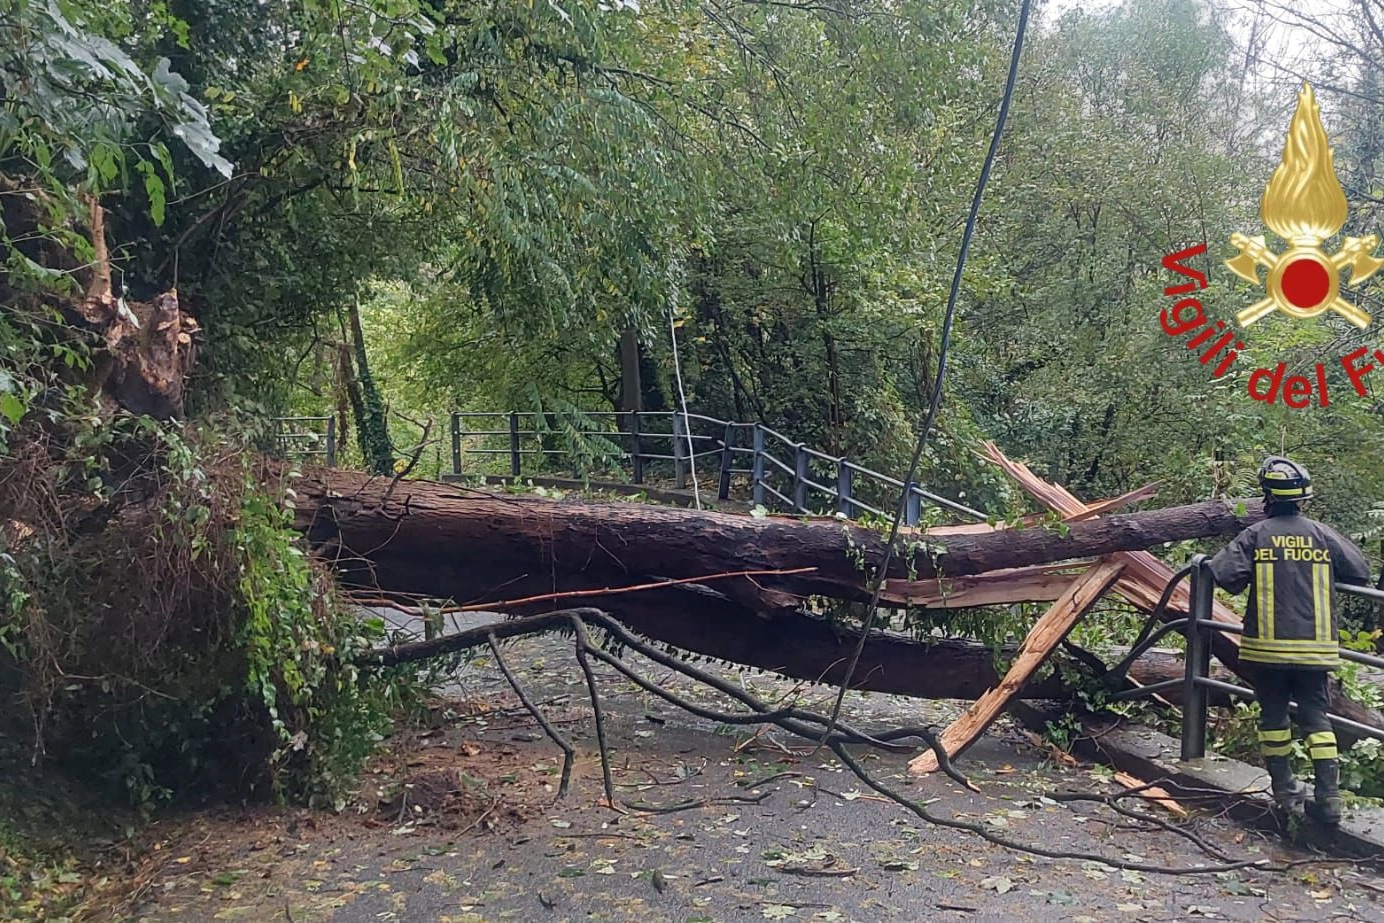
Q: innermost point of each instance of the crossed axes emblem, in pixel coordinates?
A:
(1304, 281)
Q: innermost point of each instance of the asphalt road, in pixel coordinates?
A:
(460, 822)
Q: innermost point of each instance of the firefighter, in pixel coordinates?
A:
(1290, 564)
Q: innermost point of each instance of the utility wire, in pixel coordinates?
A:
(682, 399)
(947, 320)
(686, 423)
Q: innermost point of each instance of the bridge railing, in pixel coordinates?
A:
(780, 472)
(307, 437)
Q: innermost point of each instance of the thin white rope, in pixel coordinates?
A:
(686, 423)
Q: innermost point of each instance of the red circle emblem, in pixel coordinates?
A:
(1305, 283)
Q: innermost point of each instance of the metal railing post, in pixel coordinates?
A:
(727, 462)
(844, 483)
(456, 443)
(679, 460)
(331, 442)
(757, 482)
(800, 479)
(912, 505)
(514, 443)
(636, 458)
(1198, 661)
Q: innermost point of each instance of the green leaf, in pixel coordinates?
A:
(154, 189)
(12, 407)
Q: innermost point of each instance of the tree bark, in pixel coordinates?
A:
(631, 388)
(427, 538)
(372, 429)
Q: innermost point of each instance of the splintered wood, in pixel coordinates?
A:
(1145, 576)
(1136, 575)
(1076, 600)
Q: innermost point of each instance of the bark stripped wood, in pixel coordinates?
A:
(147, 349)
(1076, 600)
(1042, 583)
(1153, 793)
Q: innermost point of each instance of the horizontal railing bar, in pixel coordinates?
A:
(1224, 626)
(698, 416)
(952, 505)
(1364, 730)
(1224, 686)
(503, 415)
(831, 491)
(785, 468)
(821, 455)
(1143, 691)
(779, 436)
(776, 494)
(1362, 657)
(1364, 592)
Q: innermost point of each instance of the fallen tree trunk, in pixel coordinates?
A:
(803, 646)
(436, 540)
(429, 538)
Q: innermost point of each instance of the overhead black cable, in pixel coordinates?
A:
(947, 320)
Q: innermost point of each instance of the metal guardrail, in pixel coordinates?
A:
(780, 472)
(305, 437)
(1196, 682)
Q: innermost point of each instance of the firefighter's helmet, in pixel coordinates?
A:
(1284, 481)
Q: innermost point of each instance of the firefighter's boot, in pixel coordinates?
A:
(1325, 808)
(1288, 792)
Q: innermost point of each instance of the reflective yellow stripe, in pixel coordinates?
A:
(1291, 644)
(1275, 734)
(1321, 594)
(1290, 658)
(1279, 749)
(1321, 745)
(1264, 580)
(1276, 741)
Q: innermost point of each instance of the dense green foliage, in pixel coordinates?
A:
(386, 210)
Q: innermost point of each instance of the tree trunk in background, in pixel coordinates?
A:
(631, 388)
(372, 432)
